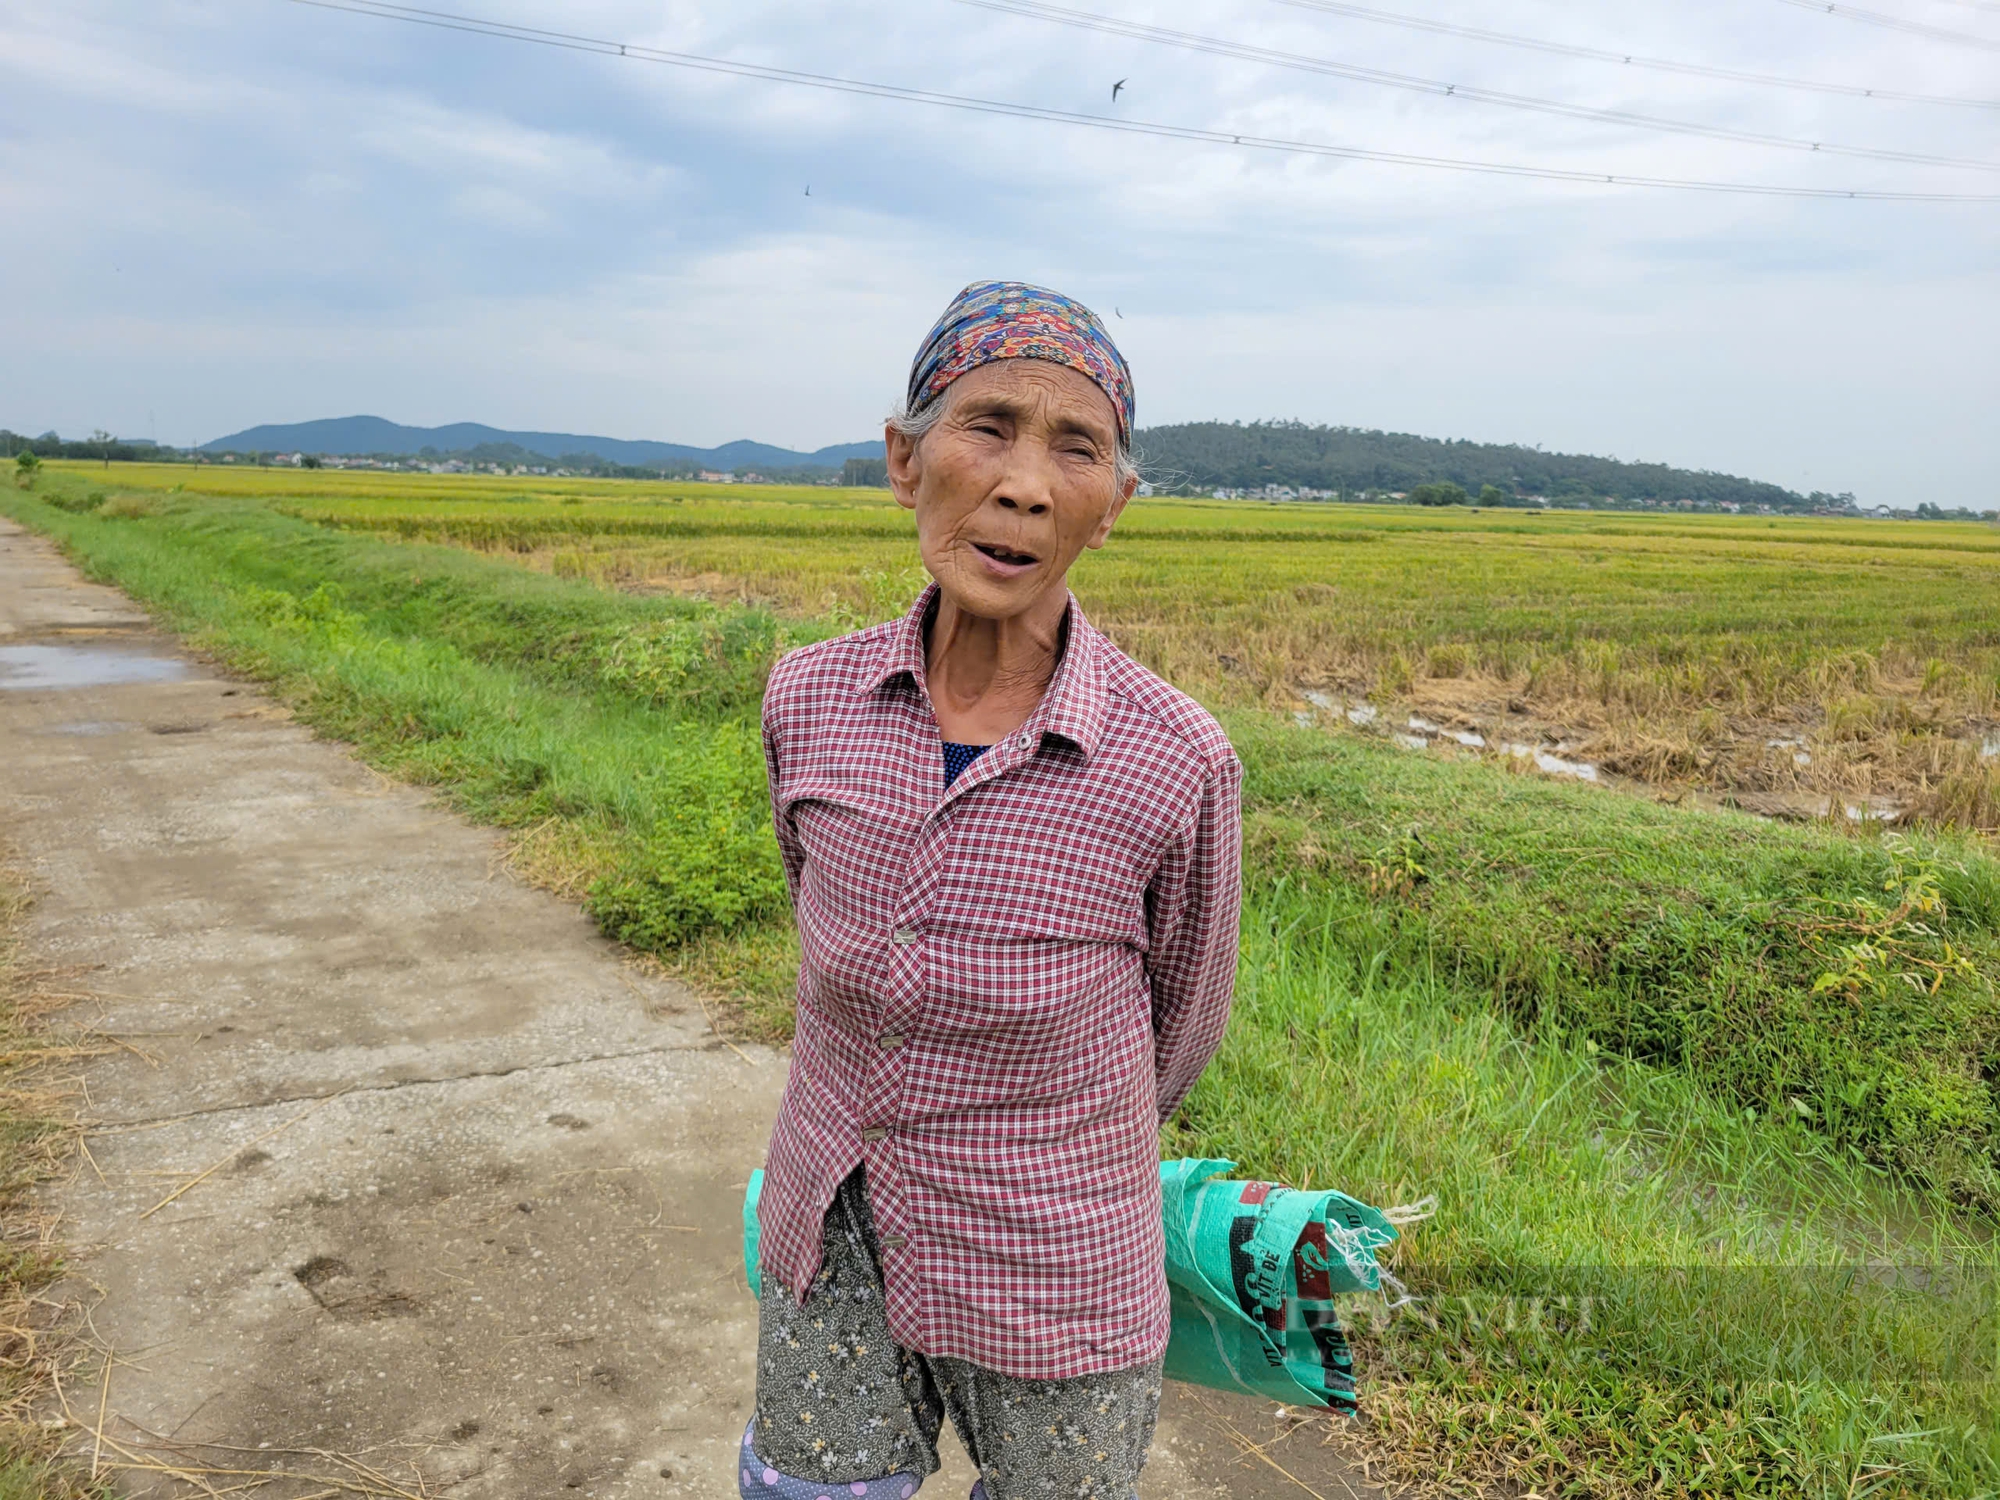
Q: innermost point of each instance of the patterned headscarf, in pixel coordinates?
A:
(992, 320)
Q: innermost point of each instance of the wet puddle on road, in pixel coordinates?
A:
(90, 726)
(25, 668)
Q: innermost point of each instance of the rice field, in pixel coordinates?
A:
(1797, 667)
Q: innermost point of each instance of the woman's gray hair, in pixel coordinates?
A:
(915, 424)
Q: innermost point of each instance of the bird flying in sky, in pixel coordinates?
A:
(1116, 87)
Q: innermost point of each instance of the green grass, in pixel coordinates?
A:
(1848, 982)
(25, 1476)
(1590, 1025)
(1722, 1350)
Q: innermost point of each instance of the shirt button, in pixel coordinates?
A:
(894, 1241)
(875, 1133)
(890, 1039)
(904, 936)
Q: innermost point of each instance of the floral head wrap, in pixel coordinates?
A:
(992, 320)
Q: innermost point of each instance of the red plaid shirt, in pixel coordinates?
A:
(1005, 987)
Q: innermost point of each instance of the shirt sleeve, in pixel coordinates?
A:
(789, 848)
(1195, 909)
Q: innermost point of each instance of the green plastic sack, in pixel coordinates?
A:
(1253, 1270)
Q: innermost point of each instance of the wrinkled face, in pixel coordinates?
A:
(1018, 476)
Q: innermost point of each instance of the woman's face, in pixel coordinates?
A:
(1018, 476)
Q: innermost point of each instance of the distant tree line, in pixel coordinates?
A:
(1444, 492)
(100, 445)
(1195, 456)
(513, 455)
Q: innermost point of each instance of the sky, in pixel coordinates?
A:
(217, 213)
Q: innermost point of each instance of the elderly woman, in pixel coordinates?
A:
(1013, 860)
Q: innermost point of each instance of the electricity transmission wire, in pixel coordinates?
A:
(448, 21)
(1625, 59)
(1221, 47)
(1897, 23)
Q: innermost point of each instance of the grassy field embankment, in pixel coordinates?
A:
(1678, 1079)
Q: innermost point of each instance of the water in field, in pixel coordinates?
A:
(1801, 757)
(1872, 812)
(1554, 765)
(1422, 733)
(1466, 737)
(44, 667)
(1360, 714)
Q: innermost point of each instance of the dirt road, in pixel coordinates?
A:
(399, 1164)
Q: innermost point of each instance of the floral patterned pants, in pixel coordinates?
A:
(840, 1404)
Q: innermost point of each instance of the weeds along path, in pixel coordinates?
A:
(1670, 1065)
(37, 1062)
(400, 1179)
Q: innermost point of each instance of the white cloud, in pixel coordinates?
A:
(445, 143)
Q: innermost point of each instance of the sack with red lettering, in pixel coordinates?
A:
(1254, 1269)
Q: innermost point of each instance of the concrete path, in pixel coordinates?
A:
(472, 1182)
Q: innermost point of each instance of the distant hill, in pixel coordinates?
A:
(1192, 456)
(358, 436)
(1250, 455)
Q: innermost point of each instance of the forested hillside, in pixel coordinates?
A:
(1239, 455)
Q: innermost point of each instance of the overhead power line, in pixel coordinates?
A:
(573, 42)
(1222, 47)
(1630, 60)
(1897, 23)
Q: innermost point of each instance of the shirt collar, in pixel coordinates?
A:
(1073, 708)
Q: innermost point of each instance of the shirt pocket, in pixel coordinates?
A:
(1065, 873)
(854, 850)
